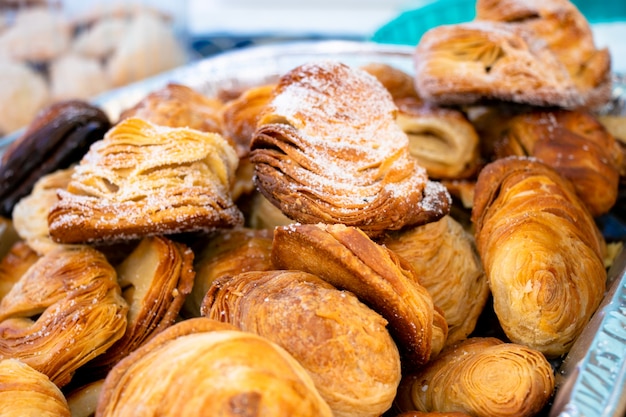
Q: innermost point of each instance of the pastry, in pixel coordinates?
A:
(227, 253)
(30, 214)
(155, 279)
(327, 149)
(216, 369)
(64, 311)
(14, 264)
(343, 344)
(441, 139)
(8, 235)
(477, 61)
(75, 77)
(483, 377)
(431, 414)
(25, 391)
(348, 259)
(100, 40)
(576, 145)
(444, 257)
(143, 179)
(84, 399)
(542, 253)
(262, 214)
(58, 137)
(399, 83)
(566, 32)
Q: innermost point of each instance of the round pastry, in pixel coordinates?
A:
(216, 370)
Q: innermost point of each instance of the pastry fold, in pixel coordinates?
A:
(144, 180)
(343, 344)
(348, 259)
(25, 391)
(216, 370)
(327, 149)
(482, 377)
(542, 253)
(64, 311)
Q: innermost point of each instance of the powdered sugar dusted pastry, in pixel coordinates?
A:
(143, 179)
(327, 149)
(482, 60)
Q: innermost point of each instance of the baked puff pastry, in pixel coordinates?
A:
(482, 60)
(25, 391)
(566, 32)
(542, 253)
(348, 259)
(343, 344)
(144, 180)
(445, 259)
(327, 149)
(576, 145)
(441, 139)
(399, 83)
(216, 370)
(483, 377)
(14, 264)
(64, 311)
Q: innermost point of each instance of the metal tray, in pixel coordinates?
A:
(591, 380)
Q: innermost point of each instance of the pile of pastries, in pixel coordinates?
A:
(343, 241)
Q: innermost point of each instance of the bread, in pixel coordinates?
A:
(344, 345)
(144, 180)
(216, 369)
(327, 149)
(542, 253)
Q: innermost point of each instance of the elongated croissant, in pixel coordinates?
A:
(483, 377)
(64, 311)
(216, 370)
(542, 253)
(343, 344)
(25, 391)
(327, 149)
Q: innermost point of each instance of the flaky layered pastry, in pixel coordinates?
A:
(64, 311)
(228, 252)
(262, 214)
(444, 257)
(400, 84)
(327, 149)
(348, 259)
(482, 377)
(15, 264)
(155, 279)
(143, 180)
(542, 253)
(431, 414)
(84, 399)
(217, 370)
(25, 391)
(576, 145)
(443, 141)
(343, 344)
(567, 33)
(483, 60)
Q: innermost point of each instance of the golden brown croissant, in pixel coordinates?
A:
(64, 311)
(327, 149)
(15, 264)
(542, 253)
(576, 145)
(447, 264)
(567, 33)
(155, 279)
(400, 84)
(348, 259)
(227, 253)
(143, 180)
(483, 377)
(475, 61)
(441, 139)
(343, 344)
(201, 367)
(25, 391)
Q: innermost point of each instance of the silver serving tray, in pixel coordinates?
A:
(591, 380)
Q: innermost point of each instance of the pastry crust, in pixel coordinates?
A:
(64, 311)
(145, 180)
(542, 252)
(348, 259)
(400, 84)
(327, 149)
(15, 264)
(482, 377)
(343, 344)
(217, 370)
